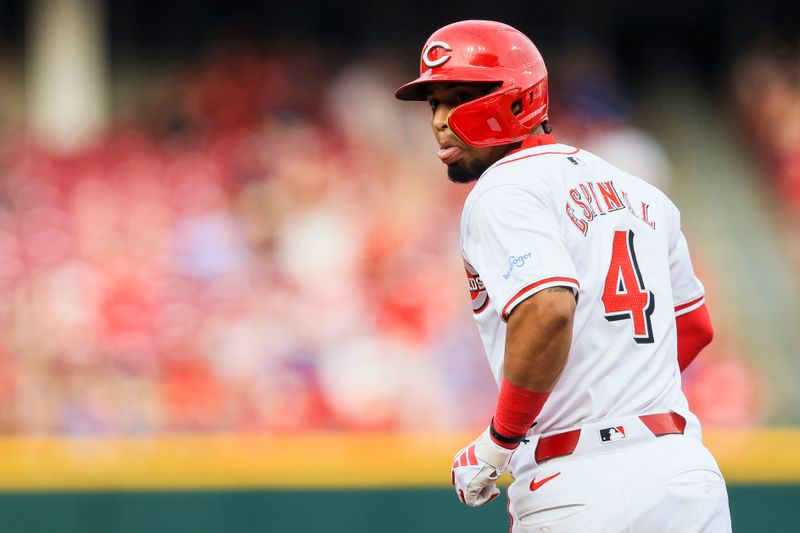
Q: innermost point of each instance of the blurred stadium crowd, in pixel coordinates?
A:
(258, 245)
(767, 97)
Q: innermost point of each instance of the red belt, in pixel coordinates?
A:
(565, 443)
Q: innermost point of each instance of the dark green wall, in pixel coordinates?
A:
(756, 509)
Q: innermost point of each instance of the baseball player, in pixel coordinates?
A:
(586, 302)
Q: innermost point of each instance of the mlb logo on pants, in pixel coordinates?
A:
(612, 434)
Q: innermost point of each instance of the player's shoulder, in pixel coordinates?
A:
(644, 194)
(607, 169)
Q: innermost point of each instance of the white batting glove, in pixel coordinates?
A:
(477, 467)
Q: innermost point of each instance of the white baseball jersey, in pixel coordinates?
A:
(554, 215)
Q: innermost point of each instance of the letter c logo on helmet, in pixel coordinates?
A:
(426, 55)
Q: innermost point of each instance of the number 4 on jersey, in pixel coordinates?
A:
(624, 295)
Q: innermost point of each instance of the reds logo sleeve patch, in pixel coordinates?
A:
(477, 290)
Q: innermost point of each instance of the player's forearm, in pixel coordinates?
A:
(538, 339)
(695, 332)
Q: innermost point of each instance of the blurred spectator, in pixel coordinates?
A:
(767, 104)
(591, 112)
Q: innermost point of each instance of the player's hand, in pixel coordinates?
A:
(477, 467)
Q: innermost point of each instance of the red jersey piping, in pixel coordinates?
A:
(571, 281)
(688, 304)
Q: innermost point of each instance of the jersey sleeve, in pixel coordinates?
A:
(688, 292)
(514, 242)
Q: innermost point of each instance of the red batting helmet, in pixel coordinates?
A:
(485, 51)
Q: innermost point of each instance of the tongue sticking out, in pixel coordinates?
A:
(450, 155)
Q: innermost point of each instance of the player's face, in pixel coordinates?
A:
(464, 163)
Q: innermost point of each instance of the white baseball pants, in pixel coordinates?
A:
(638, 483)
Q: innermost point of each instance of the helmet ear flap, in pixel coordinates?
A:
(501, 117)
(489, 120)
